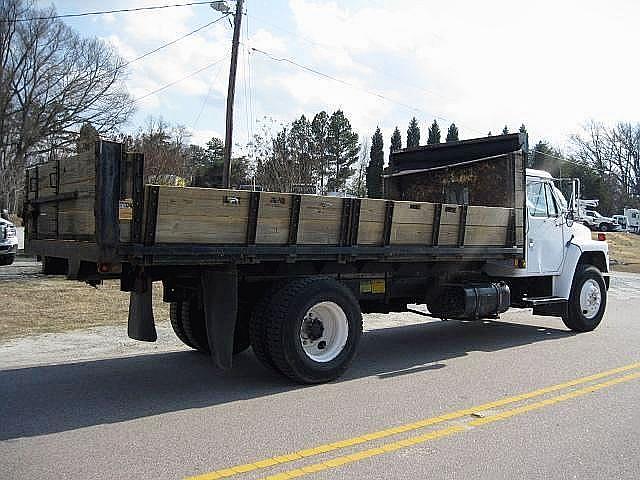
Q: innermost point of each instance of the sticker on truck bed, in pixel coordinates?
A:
(125, 209)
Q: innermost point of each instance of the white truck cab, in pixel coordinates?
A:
(565, 271)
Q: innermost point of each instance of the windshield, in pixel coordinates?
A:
(562, 202)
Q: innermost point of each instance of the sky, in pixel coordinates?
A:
(552, 65)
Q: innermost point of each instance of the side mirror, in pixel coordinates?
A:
(570, 217)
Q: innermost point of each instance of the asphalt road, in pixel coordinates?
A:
(431, 400)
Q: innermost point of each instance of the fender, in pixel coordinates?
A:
(584, 252)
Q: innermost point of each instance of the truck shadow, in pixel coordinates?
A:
(56, 398)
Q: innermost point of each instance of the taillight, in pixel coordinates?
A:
(602, 237)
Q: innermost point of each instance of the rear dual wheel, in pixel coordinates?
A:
(307, 329)
(188, 323)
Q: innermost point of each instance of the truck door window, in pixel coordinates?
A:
(552, 207)
(536, 199)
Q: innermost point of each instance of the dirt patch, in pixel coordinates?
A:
(624, 251)
(54, 304)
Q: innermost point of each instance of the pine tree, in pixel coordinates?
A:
(376, 164)
(342, 149)
(434, 133)
(413, 134)
(452, 133)
(505, 130)
(523, 129)
(396, 140)
(489, 134)
(320, 141)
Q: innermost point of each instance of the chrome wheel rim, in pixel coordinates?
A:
(590, 299)
(324, 332)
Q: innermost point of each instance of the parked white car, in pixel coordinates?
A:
(8, 242)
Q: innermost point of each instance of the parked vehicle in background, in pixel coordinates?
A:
(633, 219)
(595, 221)
(622, 222)
(8, 242)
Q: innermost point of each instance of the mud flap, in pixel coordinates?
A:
(220, 299)
(141, 323)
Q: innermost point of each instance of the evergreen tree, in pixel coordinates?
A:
(300, 152)
(489, 134)
(396, 140)
(413, 133)
(434, 133)
(320, 153)
(342, 150)
(376, 164)
(523, 129)
(505, 130)
(452, 133)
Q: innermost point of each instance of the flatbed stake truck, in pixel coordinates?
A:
(465, 229)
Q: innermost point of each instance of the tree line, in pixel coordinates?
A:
(53, 81)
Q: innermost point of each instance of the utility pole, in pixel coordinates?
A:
(228, 138)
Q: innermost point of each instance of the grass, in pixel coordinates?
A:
(54, 304)
(624, 251)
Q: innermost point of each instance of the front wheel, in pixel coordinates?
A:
(312, 328)
(587, 301)
(604, 227)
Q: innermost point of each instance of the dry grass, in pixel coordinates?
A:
(53, 304)
(624, 251)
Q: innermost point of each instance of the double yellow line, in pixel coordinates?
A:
(432, 435)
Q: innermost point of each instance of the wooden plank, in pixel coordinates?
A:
(47, 179)
(274, 205)
(273, 232)
(78, 173)
(320, 219)
(488, 216)
(273, 218)
(370, 233)
(371, 221)
(46, 221)
(201, 215)
(411, 234)
(476, 235)
(372, 210)
(413, 212)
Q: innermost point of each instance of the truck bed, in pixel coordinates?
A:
(93, 210)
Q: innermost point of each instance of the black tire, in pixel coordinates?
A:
(283, 319)
(604, 227)
(7, 259)
(187, 320)
(575, 318)
(55, 266)
(258, 326)
(177, 316)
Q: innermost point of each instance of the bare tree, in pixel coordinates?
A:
(166, 150)
(51, 82)
(613, 152)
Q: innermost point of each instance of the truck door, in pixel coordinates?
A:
(545, 237)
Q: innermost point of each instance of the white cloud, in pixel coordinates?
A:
(201, 137)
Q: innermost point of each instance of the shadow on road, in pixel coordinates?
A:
(56, 398)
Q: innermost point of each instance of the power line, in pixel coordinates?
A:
(354, 86)
(192, 74)
(172, 42)
(103, 12)
(326, 45)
